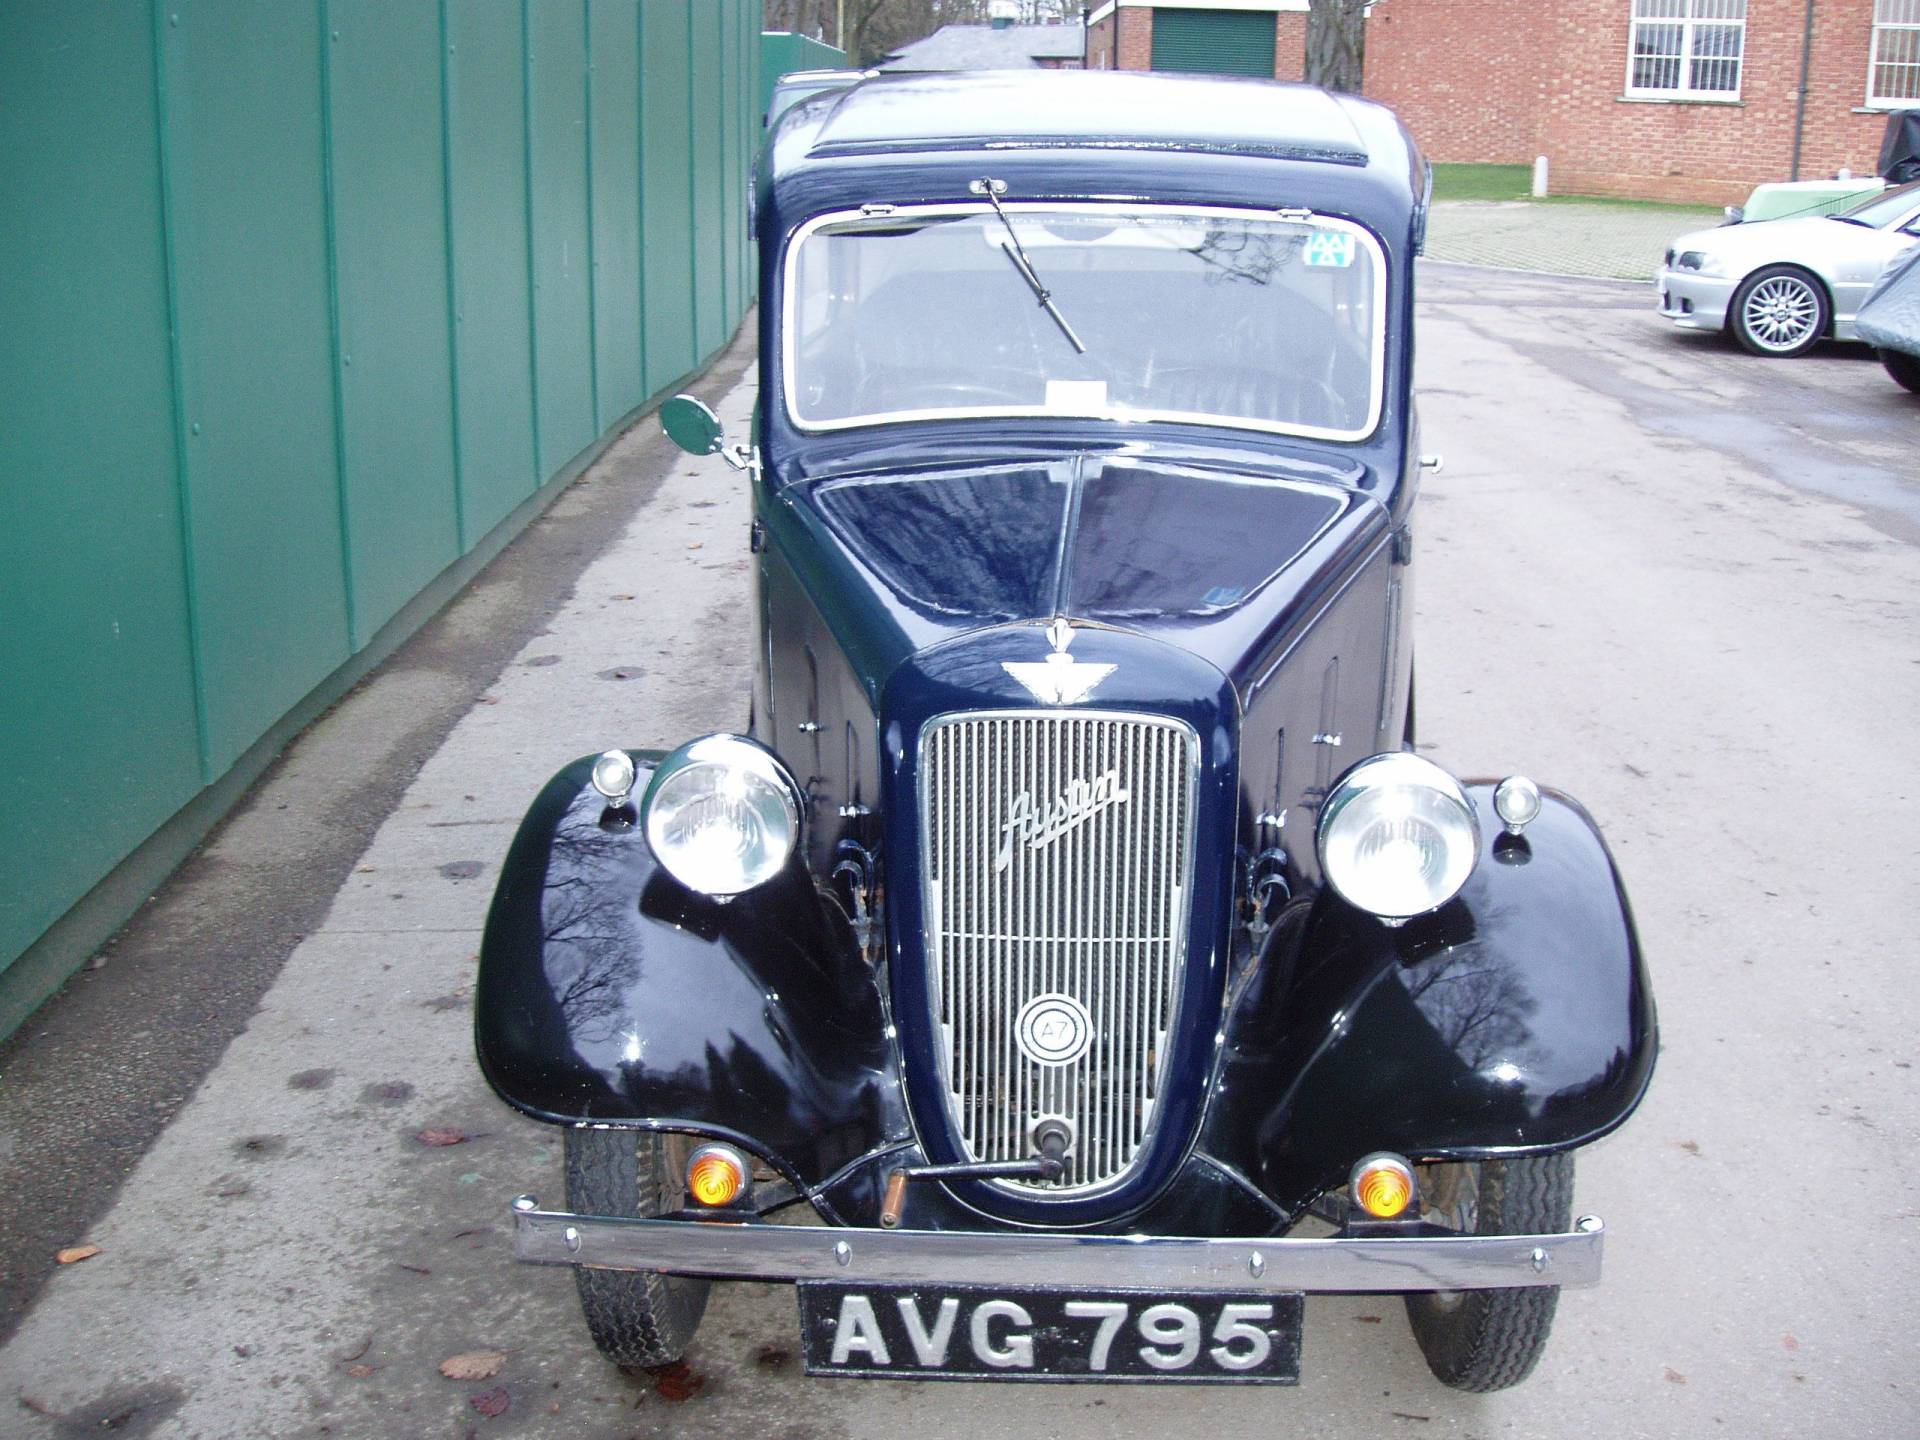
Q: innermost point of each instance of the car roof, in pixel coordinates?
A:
(804, 77)
(1092, 135)
(1104, 109)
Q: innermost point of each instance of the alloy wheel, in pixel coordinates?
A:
(1781, 313)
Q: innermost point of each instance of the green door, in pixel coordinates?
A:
(1214, 42)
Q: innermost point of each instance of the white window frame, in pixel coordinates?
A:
(1883, 27)
(1688, 24)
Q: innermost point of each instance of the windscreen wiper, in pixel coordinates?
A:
(1017, 256)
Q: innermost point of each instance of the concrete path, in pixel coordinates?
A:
(1680, 582)
(1619, 242)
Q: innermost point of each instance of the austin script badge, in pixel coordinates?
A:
(1078, 803)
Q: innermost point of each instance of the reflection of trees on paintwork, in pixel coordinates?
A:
(1477, 1005)
(591, 958)
(1240, 252)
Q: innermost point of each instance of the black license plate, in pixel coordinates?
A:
(962, 1332)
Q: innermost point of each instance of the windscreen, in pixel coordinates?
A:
(1886, 207)
(1266, 320)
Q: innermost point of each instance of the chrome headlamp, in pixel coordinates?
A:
(1398, 836)
(722, 814)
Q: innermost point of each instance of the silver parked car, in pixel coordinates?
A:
(1782, 285)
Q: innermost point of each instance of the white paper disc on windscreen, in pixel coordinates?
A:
(1077, 397)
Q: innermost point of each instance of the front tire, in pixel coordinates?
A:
(1780, 311)
(1483, 1340)
(1905, 369)
(638, 1318)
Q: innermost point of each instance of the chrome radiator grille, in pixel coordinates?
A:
(1058, 852)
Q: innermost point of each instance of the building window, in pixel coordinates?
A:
(1894, 78)
(1690, 49)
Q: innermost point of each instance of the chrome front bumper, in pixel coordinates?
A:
(756, 1251)
(1694, 301)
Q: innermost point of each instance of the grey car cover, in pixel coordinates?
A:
(1890, 315)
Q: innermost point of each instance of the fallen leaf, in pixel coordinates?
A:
(1790, 1342)
(1368, 1319)
(677, 1381)
(359, 1372)
(1692, 1147)
(491, 1403)
(437, 1137)
(696, 544)
(473, 1365)
(774, 1357)
(74, 1254)
(1403, 1415)
(1675, 1376)
(416, 1269)
(363, 869)
(623, 597)
(488, 700)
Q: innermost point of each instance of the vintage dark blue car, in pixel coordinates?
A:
(1076, 948)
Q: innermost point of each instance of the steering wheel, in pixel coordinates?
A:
(925, 390)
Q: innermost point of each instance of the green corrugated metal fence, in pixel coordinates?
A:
(781, 52)
(299, 302)
(1214, 42)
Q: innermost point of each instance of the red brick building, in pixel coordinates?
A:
(1663, 99)
(1219, 37)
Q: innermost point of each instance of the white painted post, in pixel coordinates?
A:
(1539, 175)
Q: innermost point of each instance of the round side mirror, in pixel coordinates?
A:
(691, 425)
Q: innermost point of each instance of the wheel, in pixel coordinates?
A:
(637, 1317)
(1905, 369)
(1489, 1339)
(1779, 311)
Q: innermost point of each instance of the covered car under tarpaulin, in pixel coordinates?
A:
(1900, 151)
(1889, 319)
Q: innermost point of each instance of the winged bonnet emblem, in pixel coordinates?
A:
(1059, 679)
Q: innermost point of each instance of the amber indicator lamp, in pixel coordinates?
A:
(1382, 1185)
(716, 1175)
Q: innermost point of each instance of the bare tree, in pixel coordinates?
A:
(870, 35)
(789, 15)
(1336, 43)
